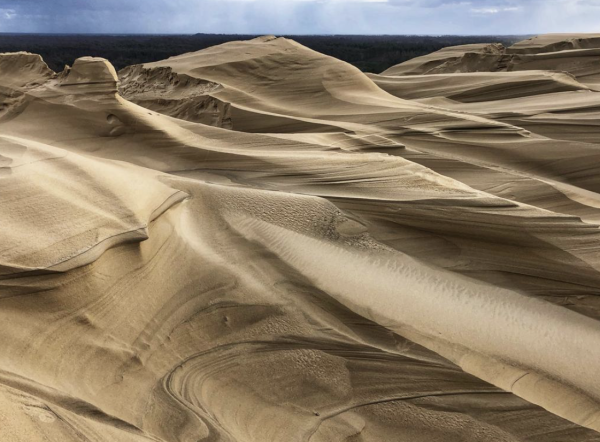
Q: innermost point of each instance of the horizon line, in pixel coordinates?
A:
(275, 34)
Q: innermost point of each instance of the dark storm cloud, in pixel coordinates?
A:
(301, 16)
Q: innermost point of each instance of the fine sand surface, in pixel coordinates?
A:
(257, 242)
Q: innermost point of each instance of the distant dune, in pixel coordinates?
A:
(258, 242)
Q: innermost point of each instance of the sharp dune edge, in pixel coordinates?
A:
(257, 242)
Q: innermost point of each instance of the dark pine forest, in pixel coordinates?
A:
(368, 53)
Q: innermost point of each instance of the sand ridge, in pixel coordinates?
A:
(257, 242)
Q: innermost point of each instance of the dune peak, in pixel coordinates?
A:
(94, 72)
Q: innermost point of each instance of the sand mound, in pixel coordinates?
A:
(478, 86)
(22, 68)
(555, 43)
(455, 59)
(575, 54)
(256, 242)
(259, 78)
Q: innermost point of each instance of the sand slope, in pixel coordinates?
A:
(571, 53)
(256, 242)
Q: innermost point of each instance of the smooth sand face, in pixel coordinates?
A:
(256, 242)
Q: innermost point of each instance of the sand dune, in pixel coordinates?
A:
(571, 53)
(257, 242)
(455, 59)
(475, 87)
(556, 42)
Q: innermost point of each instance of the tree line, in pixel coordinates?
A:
(368, 53)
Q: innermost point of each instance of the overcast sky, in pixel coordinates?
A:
(301, 16)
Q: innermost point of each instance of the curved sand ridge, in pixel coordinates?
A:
(266, 73)
(555, 43)
(454, 59)
(576, 54)
(368, 268)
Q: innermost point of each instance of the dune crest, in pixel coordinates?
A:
(257, 242)
(576, 54)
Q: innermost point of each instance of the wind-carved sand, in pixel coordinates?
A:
(257, 242)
